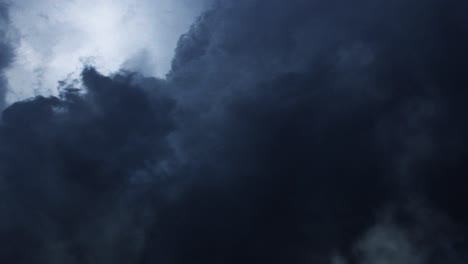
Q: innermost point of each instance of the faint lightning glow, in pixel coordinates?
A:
(56, 38)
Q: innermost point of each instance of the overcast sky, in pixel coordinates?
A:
(285, 132)
(55, 38)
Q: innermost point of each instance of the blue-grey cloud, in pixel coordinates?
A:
(281, 133)
(6, 50)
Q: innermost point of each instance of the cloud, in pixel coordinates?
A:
(310, 116)
(56, 37)
(6, 50)
(281, 132)
(66, 163)
(409, 234)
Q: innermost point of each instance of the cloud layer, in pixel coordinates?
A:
(55, 39)
(286, 132)
(6, 51)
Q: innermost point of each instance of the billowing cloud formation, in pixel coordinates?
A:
(283, 133)
(57, 37)
(65, 160)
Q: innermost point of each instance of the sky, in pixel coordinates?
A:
(234, 131)
(56, 38)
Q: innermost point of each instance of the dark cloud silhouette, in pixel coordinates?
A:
(282, 132)
(322, 113)
(67, 161)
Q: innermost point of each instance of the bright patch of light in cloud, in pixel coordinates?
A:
(57, 37)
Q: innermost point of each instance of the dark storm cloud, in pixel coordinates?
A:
(281, 133)
(65, 164)
(6, 50)
(312, 116)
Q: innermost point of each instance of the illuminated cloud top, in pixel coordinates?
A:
(55, 39)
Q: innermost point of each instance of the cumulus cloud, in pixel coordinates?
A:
(66, 161)
(281, 132)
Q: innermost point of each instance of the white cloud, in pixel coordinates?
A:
(56, 36)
